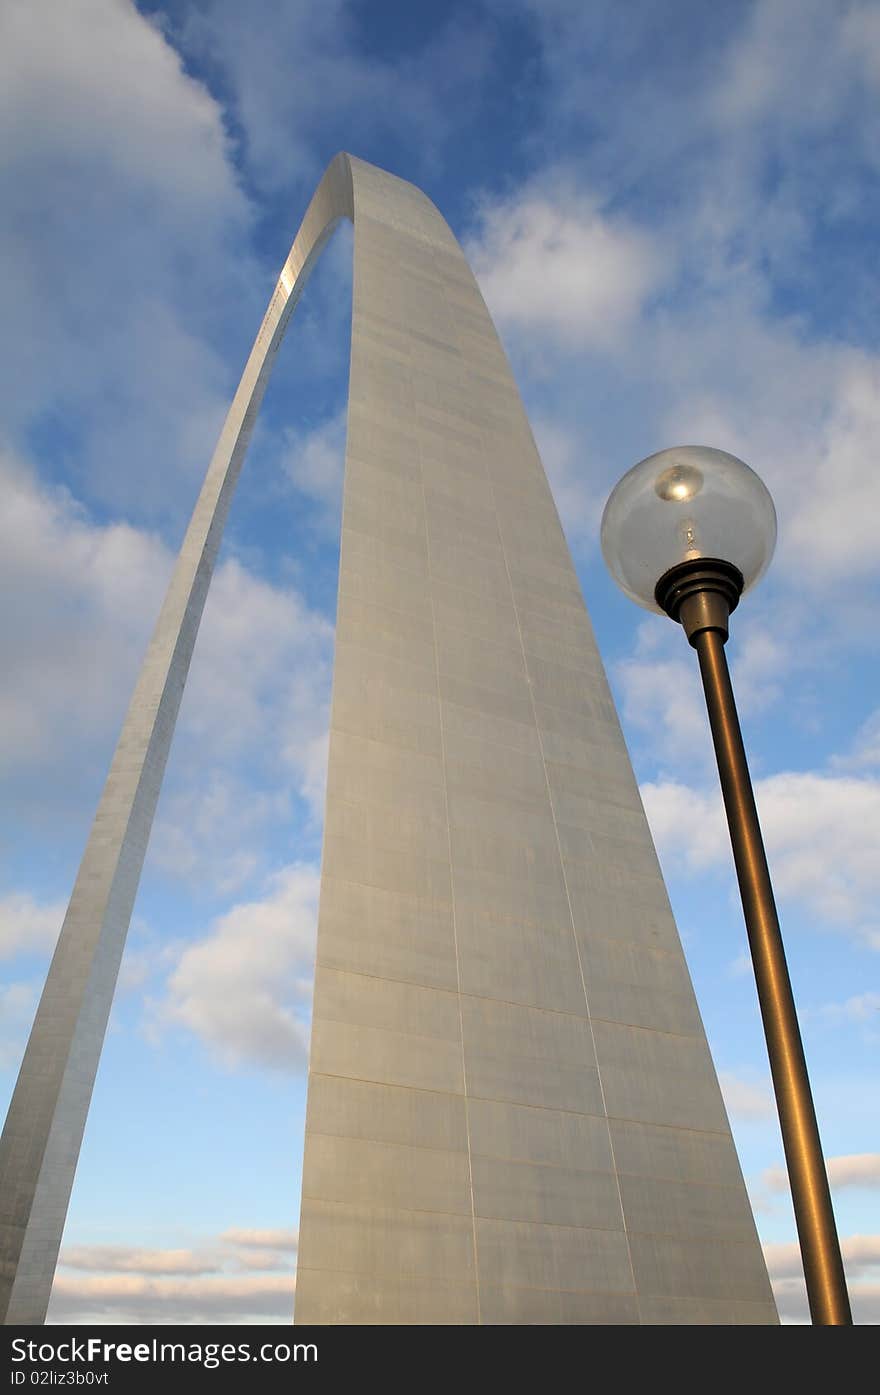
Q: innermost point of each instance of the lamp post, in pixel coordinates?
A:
(685, 533)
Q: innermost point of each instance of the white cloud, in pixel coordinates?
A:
(264, 1261)
(748, 185)
(243, 1275)
(571, 472)
(28, 926)
(263, 661)
(254, 725)
(245, 989)
(661, 695)
(209, 830)
(145, 955)
(826, 54)
(262, 1239)
(551, 263)
(86, 597)
(139, 1298)
(255, 713)
(758, 664)
(121, 235)
(122, 1259)
(314, 461)
(746, 1099)
(791, 1301)
(832, 527)
(801, 411)
(855, 1170)
(687, 825)
(122, 93)
(863, 1007)
(860, 37)
(819, 832)
(754, 86)
(18, 1002)
(741, 966)
(851, 1170)
(663, 698)
(861, 1253)
(866, 746)
(421, 97)
(861, 1262)
(312, 753)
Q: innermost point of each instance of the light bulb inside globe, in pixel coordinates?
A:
(679, 483)
(682, 505)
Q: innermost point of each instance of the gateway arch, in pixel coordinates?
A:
(513, 1115)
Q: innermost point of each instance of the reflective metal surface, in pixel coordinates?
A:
(513, 1115)
(41, 1139)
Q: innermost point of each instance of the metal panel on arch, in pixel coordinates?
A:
(513, 1115)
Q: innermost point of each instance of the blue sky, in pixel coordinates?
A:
(671, 211)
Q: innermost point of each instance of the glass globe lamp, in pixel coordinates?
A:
(681, 507)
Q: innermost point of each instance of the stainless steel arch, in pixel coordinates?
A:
(513, 1115)
(44, 1127)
